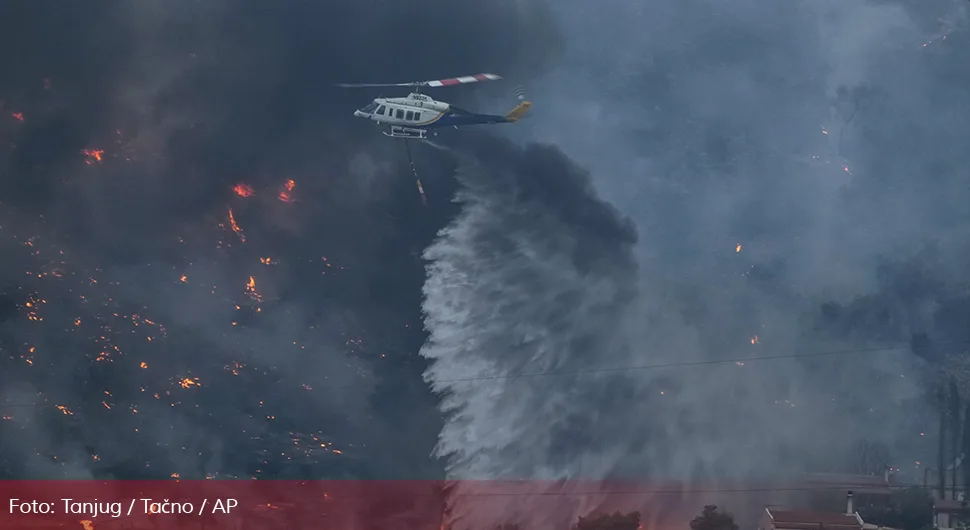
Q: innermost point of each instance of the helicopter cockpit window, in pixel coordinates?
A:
(400, 114)
(410, 116)
(369, 109)
(380, 110)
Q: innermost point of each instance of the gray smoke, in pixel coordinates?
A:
(795, 177)
(533, 277)
(121, 145)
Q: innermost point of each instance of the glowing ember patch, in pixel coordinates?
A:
(187, 382)
(266, 261)
(87, 525)
(251, 290)
(143, 365)
(243, 190)
(19, 116)
(235, 226)
(738, 248)
(288, 186)
(92, 155)
(64, 410)
(754, 340)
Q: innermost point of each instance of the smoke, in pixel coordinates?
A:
(795, 176)
(532, 277)
(158, 320)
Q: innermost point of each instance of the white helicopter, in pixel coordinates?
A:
(413, 116)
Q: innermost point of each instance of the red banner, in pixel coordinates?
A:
(352, 505)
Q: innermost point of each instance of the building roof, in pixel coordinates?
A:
(787, 518)
(847, 478)
(862, 484)
(949, 505)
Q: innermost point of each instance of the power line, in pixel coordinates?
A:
(681, 364)
(632, 368)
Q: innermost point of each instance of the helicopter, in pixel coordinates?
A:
(413, 116)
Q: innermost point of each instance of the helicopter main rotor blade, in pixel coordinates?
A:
(452, 81)
(477, 78)
(368, 85)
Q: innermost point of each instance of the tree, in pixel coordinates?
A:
(711, 519)
(868, 458)
(909, 509)
(617, 521)
(941, 445)
(966, 453)
(954, 413)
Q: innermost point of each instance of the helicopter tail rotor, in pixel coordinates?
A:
(521, 110)
(518, 112)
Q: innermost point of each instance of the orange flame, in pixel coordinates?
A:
(251, 290)
(235, 226)
(189, 382)
(287, 188)
(243, 190)
(87, 525)
(92, 155)
(754, 340)
(738, 248)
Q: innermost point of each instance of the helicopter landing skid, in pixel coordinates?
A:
(408, 133)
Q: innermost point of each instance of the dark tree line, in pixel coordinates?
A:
(953, 442)
(908, 509)
(709, 519)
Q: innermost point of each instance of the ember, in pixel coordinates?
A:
(287, 188)
(251, 290)
(92, 155)
(235, 226)
(243, 190)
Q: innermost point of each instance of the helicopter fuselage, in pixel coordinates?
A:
(413, 115)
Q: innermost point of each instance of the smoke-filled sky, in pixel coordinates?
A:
(797, 181)
(212, 269)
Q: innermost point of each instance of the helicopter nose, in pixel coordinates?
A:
(358, 114)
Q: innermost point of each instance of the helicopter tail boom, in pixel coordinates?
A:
(518, 112)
